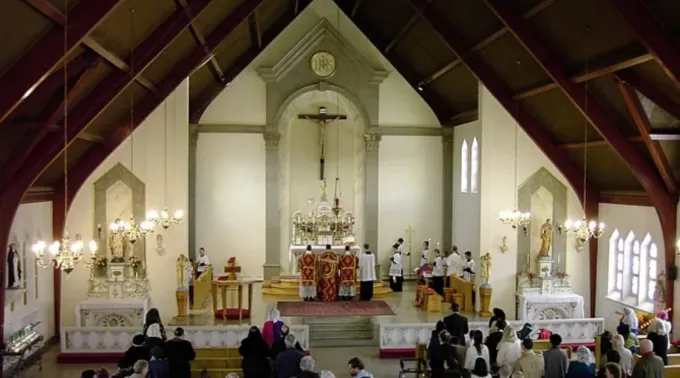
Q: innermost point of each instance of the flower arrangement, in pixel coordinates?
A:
(561, 275)
(99, 262)
(134, 262)
(532, 275)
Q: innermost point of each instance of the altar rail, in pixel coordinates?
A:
(400, 339)
(107, 344)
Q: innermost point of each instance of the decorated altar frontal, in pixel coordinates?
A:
(534, 307)
(295, 251)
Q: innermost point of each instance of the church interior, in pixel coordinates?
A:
(202, 157)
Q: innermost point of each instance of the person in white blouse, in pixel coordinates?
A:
(476, 350)
(202, 261)
(510, 347)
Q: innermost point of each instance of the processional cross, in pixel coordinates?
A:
(409, 232)
(323, 118)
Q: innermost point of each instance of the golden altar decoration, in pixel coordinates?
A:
(485, 289)
(326, 223)
(232, 268)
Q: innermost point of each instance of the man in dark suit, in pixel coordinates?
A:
(180, 353)
(457, 324)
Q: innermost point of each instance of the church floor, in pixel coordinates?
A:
(401, 304)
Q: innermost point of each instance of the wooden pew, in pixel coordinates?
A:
(671, 371)
(202, 288)
(463, 292)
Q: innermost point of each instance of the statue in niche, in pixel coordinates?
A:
(159, 245)
(13, 267)
(546, 238)
(117, 246)
(660, 292)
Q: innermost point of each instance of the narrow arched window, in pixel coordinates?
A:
(474, 167)
(464, 164)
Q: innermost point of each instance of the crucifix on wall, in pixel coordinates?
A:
(323, 118)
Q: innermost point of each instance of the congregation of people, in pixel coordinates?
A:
(455, 351)
(272, 352)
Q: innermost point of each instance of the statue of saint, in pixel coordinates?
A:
(117, 248)
(485, 263)
(13, 267)
(159, 245)
(660, 291)
(546, 239)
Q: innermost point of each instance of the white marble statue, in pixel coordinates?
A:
(160, 249)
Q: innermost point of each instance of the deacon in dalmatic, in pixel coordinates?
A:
(307, 269)
(328, 276)
(348, 274)
(366, 274)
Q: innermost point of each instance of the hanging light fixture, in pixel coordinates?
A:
(163, 218)
(516, 218)
(130, 230)
(64, 254)
(584, 229)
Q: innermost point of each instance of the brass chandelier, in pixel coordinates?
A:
(64, 254)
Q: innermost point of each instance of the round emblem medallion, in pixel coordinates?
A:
(323, 64)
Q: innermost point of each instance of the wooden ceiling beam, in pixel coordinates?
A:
(643, 124)
(651, 91)
(47, 54)
(53, 14)
(634, 139)
(583, 77)
(538, 8)
(625, 198)
(464, 117)
(110, 88)
(255, 32)
(95, 156)
(403, 32)
(198, 105)
(656, 39)
(665, 203)
(215, 68)
(355, 9)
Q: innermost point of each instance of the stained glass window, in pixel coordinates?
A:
(474, 167)
(464, 167)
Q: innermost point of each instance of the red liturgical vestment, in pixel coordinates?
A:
(348, 269)
(308, 269)
(328, 277)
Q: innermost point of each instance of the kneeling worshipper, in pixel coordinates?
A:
(348, 275)
(366, 274)
(396, 269)
(307, 269)
(328, 276)
(271, 330)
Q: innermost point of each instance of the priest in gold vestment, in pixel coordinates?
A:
(308, 276)
(328, 276)
(348, 275)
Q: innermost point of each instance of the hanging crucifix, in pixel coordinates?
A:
(323, 118)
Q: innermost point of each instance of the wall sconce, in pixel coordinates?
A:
(504, 245)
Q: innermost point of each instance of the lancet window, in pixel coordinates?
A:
(464, 164)
(633, 269)
(474, 167)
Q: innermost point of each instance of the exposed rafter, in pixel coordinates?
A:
(486, 41)
(650, 91)
(37, 63)
(255, 31)
(583, 77)
(406, 28)
(655, 38)
(355, 9)
(215, 68)
(94, 157)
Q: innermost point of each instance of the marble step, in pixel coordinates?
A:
(340, 320)
(344, 334)
(340, 343)
(196, 373)
(293, 291)
(341, 327)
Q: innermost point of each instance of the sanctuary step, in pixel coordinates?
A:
(341, 332)
(288, 286)
(217, 361)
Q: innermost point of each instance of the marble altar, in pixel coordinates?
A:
(294, 251)
(106, 313)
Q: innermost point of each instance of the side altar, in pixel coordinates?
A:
(545, 295)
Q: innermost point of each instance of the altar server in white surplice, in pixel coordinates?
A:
(469, 268)
(396, 269)
(366, 274)
(438, 273)
(425, 255)
(202, 261)
(454, 264)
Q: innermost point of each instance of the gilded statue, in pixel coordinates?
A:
(117, 248)
(184, 272)
(485, 264)
(546, 238)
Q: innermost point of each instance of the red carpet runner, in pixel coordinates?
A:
(354, 308)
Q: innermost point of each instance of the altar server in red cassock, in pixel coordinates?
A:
(308, 275)
(348, 275)
(328, 276)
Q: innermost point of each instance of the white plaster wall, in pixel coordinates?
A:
(244, 100)
(466, 206)
(230, 200)
(31, 223)
(498, 193)
(149, 167)
(639, 219)
(410, 194)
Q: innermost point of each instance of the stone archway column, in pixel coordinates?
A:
(372, 195)
(272, 264)
(193, 146)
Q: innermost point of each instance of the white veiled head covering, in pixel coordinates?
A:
(232, 375)
(583, 355)
(326, 374)
(659, 326)
(509, 334)
(630, 318)
(307, 363)
(274, 315)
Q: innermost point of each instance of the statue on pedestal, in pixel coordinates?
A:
(546, 238)
(485, 264)
(117, 247)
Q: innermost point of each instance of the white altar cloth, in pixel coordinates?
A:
(534, 307)
(296, 250)
(111, 313)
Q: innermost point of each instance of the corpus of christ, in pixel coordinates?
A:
(298, 188)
